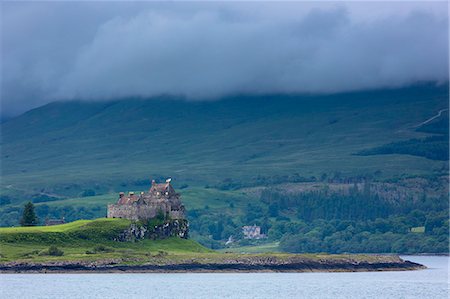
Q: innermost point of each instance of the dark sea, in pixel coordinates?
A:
(428, 284)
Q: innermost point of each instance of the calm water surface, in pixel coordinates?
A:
(429, 284)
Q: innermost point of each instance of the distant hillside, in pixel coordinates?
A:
(64, 148)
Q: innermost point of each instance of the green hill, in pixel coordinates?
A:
(64, 148)
(85, 239)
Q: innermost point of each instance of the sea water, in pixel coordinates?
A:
(428, 284)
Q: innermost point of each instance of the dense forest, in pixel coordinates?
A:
(329, 222)
(433, 147)
(395, 234)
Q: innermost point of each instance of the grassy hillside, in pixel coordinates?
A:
(64, 148)
(85, 239)
(71, 159)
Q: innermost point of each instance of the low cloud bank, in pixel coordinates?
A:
(204, 52)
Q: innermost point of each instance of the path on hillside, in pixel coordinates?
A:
(430, 119)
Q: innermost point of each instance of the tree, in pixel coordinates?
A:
(29, 217)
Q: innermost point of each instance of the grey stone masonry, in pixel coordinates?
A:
(146, 205)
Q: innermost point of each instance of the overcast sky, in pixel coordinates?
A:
(204, 51)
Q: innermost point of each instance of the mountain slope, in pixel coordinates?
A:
(65, 147)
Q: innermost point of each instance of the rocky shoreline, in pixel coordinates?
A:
(252, 264)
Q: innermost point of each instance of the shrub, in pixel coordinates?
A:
(53, 251)
(161, 253)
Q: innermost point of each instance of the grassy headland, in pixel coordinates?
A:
(85, 240)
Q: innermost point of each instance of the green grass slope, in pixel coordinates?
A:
(61, 149)
(86, 239)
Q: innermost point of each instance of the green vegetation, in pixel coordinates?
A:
(391, 235)
(257, 248)
(99, 249)
(86, 240)
(54, 251)
(433, 147)
(228, 144)
(29, 217)
(230, 159)
(356, 222)
(101, 229)
(21, 247)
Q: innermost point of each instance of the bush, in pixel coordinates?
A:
(162, 253)
(53, 251)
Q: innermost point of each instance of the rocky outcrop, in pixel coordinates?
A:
(172, 228)
(169, 228)
(134, 233)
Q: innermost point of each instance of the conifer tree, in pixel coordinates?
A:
(29, 217)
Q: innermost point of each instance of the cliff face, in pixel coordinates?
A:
(168, 228)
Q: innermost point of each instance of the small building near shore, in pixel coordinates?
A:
(252, 232)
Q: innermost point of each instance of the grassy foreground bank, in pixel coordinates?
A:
(86, 240)
(88, 245)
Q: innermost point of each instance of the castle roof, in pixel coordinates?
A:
(123, 200)
(163, 187)
(157, 191)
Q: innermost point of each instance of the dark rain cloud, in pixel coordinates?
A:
(203, 51)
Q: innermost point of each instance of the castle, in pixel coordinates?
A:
(146, 205)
